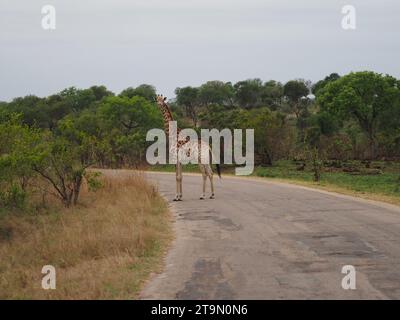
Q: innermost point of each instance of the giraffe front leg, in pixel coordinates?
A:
(178, 182)
(180, 188)
(177, 190)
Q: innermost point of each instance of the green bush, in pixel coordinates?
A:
(93, 181)
(14, 197)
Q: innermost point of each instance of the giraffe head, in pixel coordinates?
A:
(165, 110)
(161, 100)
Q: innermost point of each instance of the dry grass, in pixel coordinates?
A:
(103, 249)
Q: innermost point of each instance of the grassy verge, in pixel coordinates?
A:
(382, 187)
(103, 249)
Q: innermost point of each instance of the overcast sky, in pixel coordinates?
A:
(172, 43)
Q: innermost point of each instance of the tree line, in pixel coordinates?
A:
(47, 144)
(356, 116)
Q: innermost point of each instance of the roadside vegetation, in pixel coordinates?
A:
(103, 248)
(360, 182)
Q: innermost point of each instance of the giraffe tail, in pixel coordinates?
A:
(217, 165)
(218, 170)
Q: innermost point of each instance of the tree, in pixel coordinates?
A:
(388, 131)
(248, 93)
(194, 100)
(124, 123)
(100, 92)
(17, 154)
(312, 144)
(63, 164)
(322, 83)
(77, 99)
(59, 157)
(272, 94)
(144, 90)
(216, 116)
(296, 92)
(128, 114)
(272, 136)
(46, 112)
(363, 96)
(30, 109)
(188, 98)
(216, 92)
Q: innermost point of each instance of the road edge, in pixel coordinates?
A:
(377, 203)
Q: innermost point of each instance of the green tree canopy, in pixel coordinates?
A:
(216, 92)
(296, 93)
(322, 83)
(363, 96)
(144, 90)
(248, 93)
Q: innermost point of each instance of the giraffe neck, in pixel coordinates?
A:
(167, 117)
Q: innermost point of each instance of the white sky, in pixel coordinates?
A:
(172, 43)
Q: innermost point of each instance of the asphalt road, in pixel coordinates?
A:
(267, 240)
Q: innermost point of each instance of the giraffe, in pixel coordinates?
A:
(188, 147)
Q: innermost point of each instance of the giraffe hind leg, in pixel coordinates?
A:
(210, 174)
(204, 176)
(203, 195)
(212, 186)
